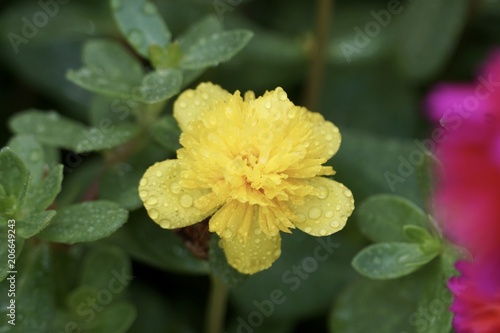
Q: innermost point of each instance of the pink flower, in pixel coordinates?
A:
(468, 192)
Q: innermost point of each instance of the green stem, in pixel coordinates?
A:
(216, 307)
(324, 9)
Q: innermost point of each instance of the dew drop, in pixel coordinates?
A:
(143, 194)
(143, 182)
(197, 102)
(159, 173)
(329, 214)
(292, 113)
(314, 213)
(308, 229)
(152, 201)
(268, 105)
(322, 192)
(186, 200)
(149, 8)
(257, 231)
(257, 240)
(204, 96)
(337, 208)
(329, 137)
(377, 261)
(136, 38)
(282, 95)
(227, 233)
(154, 213)
(116, 4)
(165, 223)
(334, 224)
(90, 229)
(183, 105)
(301, 217)
(348, 193)
(175, 188)
(322, 232)
(34, 156)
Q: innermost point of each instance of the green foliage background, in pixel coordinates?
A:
(111, 71)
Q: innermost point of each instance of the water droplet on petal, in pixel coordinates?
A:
(227, 233)
(282, 95)
(301, 217)
(314, 213)
(186, 200)
(175, 188)
(143, 194)
(159, 173)
(348, 193)
(143, 182)
(322, 232)
(165, 223)
(182, 105)
(267, 105)
(308, 229)
(329, 214)
(257, 240)
(152, 201)
(322, 192)
(257, 231)
(153, 213)
(334, 224)
(337, 207)
(329, 137)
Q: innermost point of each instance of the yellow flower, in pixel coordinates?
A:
(255, 166)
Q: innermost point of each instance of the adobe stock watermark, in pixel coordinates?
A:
(363, 37)
(292, 278)
(452, 120)
(32, 25)
(223, 6)
(91, 306)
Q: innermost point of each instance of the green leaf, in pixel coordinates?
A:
(115, 318)
(141, 24)
(220, 267)
(433, 314)
(85, 222)
(109, 69)
(382, 217)
(166, 132)
(106, 268)
(97, 139)
(427, 41)
(52, 129)
(35, 304)
(43, 195)
(422, 236)
(165, 58)
(218, 47)
(80, 178)
(369, 306)
(198, 31)
(31, 153)
(145, 241)
(384, 261)
(160, 85)
(35, 223)
(47, 127)
(14, 182)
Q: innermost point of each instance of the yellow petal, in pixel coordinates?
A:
(167, 203)
(326, 133)
(326, 211)
(191, 102)
(253, 253)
